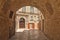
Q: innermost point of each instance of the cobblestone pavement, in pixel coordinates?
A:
(29, 35)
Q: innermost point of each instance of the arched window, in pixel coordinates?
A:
(24, 9)
(22, 23)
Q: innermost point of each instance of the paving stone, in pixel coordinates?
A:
(29, 35)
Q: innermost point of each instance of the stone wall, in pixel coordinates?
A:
(11, 28)
(50, 10)
(3, 22)
(52, 23)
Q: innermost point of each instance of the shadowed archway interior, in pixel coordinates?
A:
(49, 8)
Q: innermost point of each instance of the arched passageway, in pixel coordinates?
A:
(49, 8)
(29, 17)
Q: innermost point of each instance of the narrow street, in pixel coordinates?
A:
(29, 35)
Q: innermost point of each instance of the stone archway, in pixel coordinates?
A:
(43, 6)
(32, 15)
(18, 4)
(50, 21)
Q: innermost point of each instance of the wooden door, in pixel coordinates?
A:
(22, 23)
(31, 26)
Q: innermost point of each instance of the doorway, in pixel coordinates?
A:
(31, 26)
(22, 23)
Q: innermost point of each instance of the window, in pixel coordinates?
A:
(31, 18)
(24, 9)
(31, 9)
(38, 18)
(11, 14)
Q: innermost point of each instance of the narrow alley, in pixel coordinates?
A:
(29, 19)
(29, 35)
